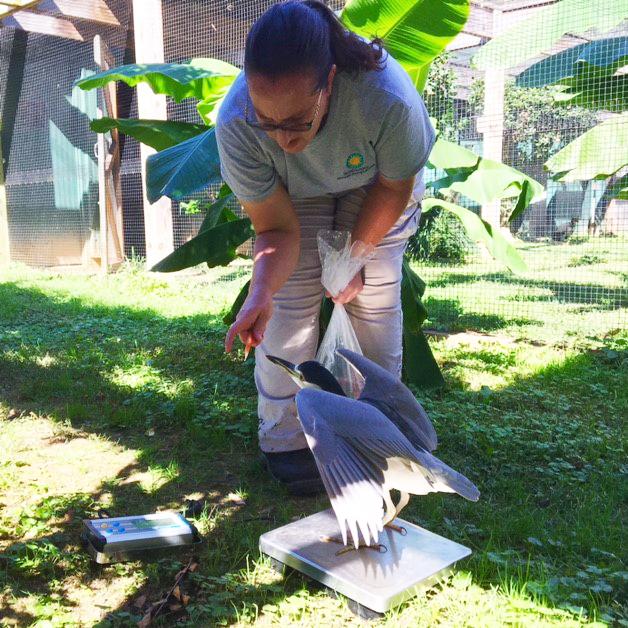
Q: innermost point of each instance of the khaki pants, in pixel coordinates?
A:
(292, 332)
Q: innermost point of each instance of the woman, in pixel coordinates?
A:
(322, 130)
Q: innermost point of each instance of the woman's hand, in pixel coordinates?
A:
(250, 323)
(354, 287)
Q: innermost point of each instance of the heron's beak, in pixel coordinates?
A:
(290, 368)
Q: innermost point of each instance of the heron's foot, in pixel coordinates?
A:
(396, 528)
(378, 547)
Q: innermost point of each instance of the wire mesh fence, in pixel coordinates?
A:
(573, 240)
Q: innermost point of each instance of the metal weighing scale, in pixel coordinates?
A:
(376, 580)
(114, 539)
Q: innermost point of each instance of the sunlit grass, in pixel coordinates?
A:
(115, 393)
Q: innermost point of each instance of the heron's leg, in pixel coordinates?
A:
(350, 548)
(404, 498)
(392, 511)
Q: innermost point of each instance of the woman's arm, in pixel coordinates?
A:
(385, 201)
(275, 255)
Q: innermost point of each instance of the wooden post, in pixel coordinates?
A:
(5, 251)
(109, 191)
(491, 124)
(149, 48)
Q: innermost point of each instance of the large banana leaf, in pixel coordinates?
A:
(159, 134)
(619, 189)
(419, 366)
(596, 154)
(217, 213)
(230, 316)
(208, 109)
(199, 78)
(482, 232)
(216, 247)
(482, 180)
(586, 74)
(414, 31)
(546, 26)
(183, 169)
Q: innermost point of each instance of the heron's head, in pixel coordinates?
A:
(310, 374)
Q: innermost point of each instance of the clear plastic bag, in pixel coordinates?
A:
(340, 261)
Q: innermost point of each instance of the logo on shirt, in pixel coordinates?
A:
(355, 161)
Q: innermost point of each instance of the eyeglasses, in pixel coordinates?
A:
(300, 127)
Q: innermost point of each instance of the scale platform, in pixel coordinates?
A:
(377, 580)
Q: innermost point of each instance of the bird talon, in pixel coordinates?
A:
(381, 549)
(378, 547)
(397, 528)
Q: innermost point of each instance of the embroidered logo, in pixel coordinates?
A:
(355, 161)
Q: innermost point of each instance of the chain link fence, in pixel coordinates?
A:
(574, 240)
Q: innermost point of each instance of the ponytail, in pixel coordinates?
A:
(296, 36)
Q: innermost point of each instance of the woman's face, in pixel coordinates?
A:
(289, 101)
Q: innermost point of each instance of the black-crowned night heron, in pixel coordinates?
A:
(364, 448)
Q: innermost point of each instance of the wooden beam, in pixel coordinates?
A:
(7, 7)
(149, 48)
(43, 24)
(19, 3)
(5, 251)
(92, 10)
(491, 125)
(480, 22)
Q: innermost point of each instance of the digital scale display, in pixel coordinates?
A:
(148, 524)
(109, 538)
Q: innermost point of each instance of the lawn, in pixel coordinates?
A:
(115, 393)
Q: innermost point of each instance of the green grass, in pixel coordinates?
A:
(115, 393)
(570, 291)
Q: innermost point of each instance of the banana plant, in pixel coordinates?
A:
(414, 32)
(589, 75)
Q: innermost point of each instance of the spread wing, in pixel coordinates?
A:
(351, 442)
(389, 394)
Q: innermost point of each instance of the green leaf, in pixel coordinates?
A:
(199, 78)
(525, 198)
(586, 74)
(606, 92)
(619, 189)
(419, 366)
(215, 247)
(482, 232)
(209, 107)
(546, 26)
(482, 180)
(602, 58)
(419, 76)
(327, 308)
(217, 213)
(230, 317)
(183, 169)
(589, 156)
(414, 31)
(159, 134)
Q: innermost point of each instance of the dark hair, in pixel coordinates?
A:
(299, 35)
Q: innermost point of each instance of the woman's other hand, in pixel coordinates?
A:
(250, 323)
(354, 287)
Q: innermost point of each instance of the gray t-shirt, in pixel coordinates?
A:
(377, 123)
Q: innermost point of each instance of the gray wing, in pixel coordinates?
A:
(352, 443)
(389, 394)
(352, 479)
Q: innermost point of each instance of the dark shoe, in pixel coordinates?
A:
(296, 470)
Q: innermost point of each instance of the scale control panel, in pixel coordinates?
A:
(116, 534)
